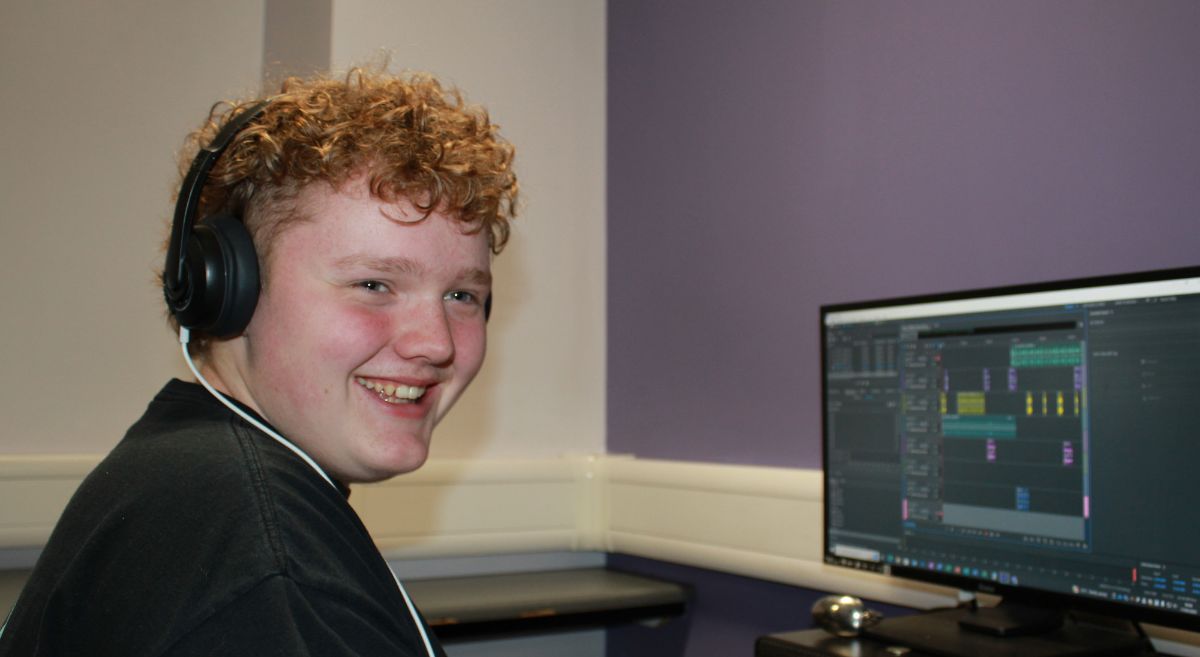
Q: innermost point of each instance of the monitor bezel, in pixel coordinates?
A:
(1021, 594)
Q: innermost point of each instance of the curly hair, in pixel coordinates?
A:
(416, 139)
(419, 140)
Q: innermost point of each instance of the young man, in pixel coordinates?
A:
(220, 525)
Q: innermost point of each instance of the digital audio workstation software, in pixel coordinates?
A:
(1045, 440)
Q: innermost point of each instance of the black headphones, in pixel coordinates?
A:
(210, 279)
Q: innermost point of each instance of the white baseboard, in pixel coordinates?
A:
(458, 508)
(34, 489)
(752, 521)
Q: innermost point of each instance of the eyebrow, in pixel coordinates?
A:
(408, 266)
(391, 265)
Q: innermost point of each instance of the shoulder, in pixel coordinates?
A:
(190, 453)
(197, 520)
(177, 492)
(188, 448)
(182, 457)
(165, 527)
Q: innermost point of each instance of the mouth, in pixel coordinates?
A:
(391, 392)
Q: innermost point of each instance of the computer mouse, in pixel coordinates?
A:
(843, 615)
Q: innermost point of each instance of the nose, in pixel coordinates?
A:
(424, 333)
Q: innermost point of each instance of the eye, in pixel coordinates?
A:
(462, 296)
(373, 286)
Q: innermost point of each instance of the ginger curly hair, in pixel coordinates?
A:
(417, 139)
(420, 141)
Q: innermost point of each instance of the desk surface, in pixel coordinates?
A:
(525, 602)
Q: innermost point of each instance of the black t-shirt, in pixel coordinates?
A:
(200, 535)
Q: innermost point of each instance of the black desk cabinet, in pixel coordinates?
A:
(819, 643)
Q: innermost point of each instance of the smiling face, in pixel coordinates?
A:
(369, 327)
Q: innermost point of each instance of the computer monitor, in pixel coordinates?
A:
(1040, 442)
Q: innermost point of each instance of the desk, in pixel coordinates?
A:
(464, 608)
(945, 639)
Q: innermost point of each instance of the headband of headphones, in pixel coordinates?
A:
(178, 285)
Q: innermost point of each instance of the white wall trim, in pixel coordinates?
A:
(747, 520)
(34, 489)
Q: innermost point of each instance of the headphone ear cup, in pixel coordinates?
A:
(222, 268)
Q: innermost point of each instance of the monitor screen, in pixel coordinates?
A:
(1041, 442)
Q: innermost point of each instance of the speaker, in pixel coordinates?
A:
(211, 278)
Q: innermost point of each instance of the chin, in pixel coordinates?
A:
(387, 468)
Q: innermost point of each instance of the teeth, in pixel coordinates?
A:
(392, 393)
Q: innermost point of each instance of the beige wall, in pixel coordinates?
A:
(98, 97)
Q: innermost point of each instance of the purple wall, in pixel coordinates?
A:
(768, 156)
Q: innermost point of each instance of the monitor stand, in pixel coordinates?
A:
(1008, 620)
(1006, 631)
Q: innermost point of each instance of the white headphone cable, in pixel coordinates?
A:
(184, 337)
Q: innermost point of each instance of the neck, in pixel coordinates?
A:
(223, 368)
